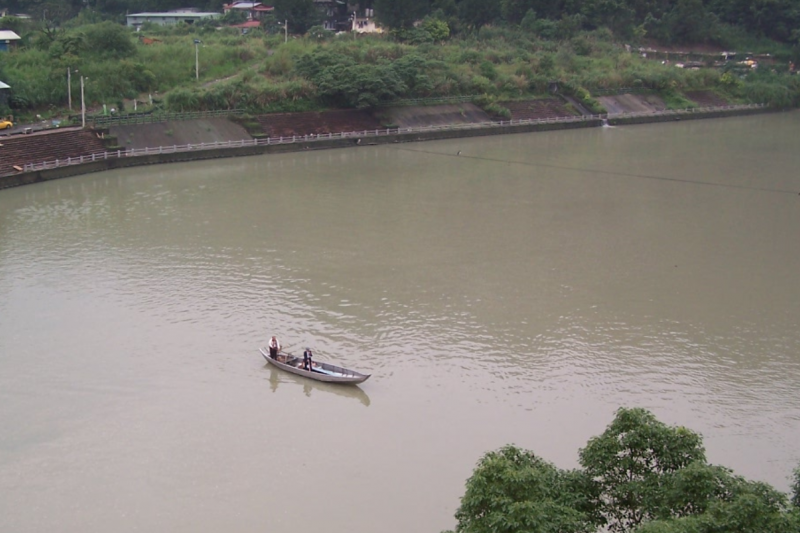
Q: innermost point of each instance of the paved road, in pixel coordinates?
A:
(28, 128)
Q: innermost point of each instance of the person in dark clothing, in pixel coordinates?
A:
(308, 364)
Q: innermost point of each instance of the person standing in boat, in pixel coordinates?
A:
(274, 347)
(308, 364)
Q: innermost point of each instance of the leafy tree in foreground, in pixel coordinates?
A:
(513, 490)
(629, 460)
(639, 476)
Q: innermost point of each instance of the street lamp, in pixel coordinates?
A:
(83, 105)
(69, 87)
(197, 59)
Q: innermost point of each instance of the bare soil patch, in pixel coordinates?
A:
(289, 124)
(435, 115)
(706, 98)
(539, 109)
(179, 133)
(632, 103)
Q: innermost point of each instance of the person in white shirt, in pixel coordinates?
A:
(274, 347)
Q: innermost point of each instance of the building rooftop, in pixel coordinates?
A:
(176, 14)
(8, 35)
(243, 5)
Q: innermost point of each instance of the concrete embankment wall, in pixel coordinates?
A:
(26, 178)
(690, 115)
(37, 176)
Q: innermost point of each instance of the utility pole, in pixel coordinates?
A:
(285, 31)
(69, 87)
(83, 106)
(197, 59)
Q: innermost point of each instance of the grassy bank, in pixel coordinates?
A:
(262, 73)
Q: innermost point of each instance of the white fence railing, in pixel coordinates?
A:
(356, 136)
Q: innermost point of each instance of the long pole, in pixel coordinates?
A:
(69, 88)
(83, 106)
(285, 31)
(196, 61)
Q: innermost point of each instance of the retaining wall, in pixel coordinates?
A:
(38, 176)
(26, 178)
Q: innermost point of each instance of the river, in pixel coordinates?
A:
(506, 289)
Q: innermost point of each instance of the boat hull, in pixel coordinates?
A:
(325, 372)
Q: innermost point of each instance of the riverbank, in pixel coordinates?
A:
(123, 158)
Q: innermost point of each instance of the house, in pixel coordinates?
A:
(246, 26)
(338, 15)
(253, 10)
(7, 40)
(365, 24)
(169, 18)
(335, 14)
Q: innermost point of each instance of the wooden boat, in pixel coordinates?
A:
(321, 372)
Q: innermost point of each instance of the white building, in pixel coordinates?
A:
(171, 17)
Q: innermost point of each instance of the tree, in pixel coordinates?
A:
(639, 476)
(109, 39)
(398, 14)
(513, 490)
(628, 461)
(437, 29)
(477, 13)
(301, 14)
(514, 11)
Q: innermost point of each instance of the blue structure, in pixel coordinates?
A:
(7, 40)
(3, 94)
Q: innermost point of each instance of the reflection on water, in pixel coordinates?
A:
(521, 292)
(277, 377)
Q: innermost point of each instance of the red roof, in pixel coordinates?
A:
(248, 24)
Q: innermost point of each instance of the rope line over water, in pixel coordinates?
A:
(605, 172)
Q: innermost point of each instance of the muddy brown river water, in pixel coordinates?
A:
(517, 293)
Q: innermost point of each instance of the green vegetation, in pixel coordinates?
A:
(639, 476)
(511, 49)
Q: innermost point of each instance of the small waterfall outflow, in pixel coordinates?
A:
(605, 123)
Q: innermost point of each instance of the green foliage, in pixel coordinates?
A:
(15, 24)
(500, 59)
(513, 490)
(397, 14)
(796, 487)
(301, 14)
(359, 85)
(674, 100)
(477, 13)
(108, 40)
(318, 33)
(639, 476)
(629, 459)
(514, 11)
(436, 28)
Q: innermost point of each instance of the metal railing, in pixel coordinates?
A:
(430, 101)
(598, 91)
(357, 136)
(150, 118)
(687, 111)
